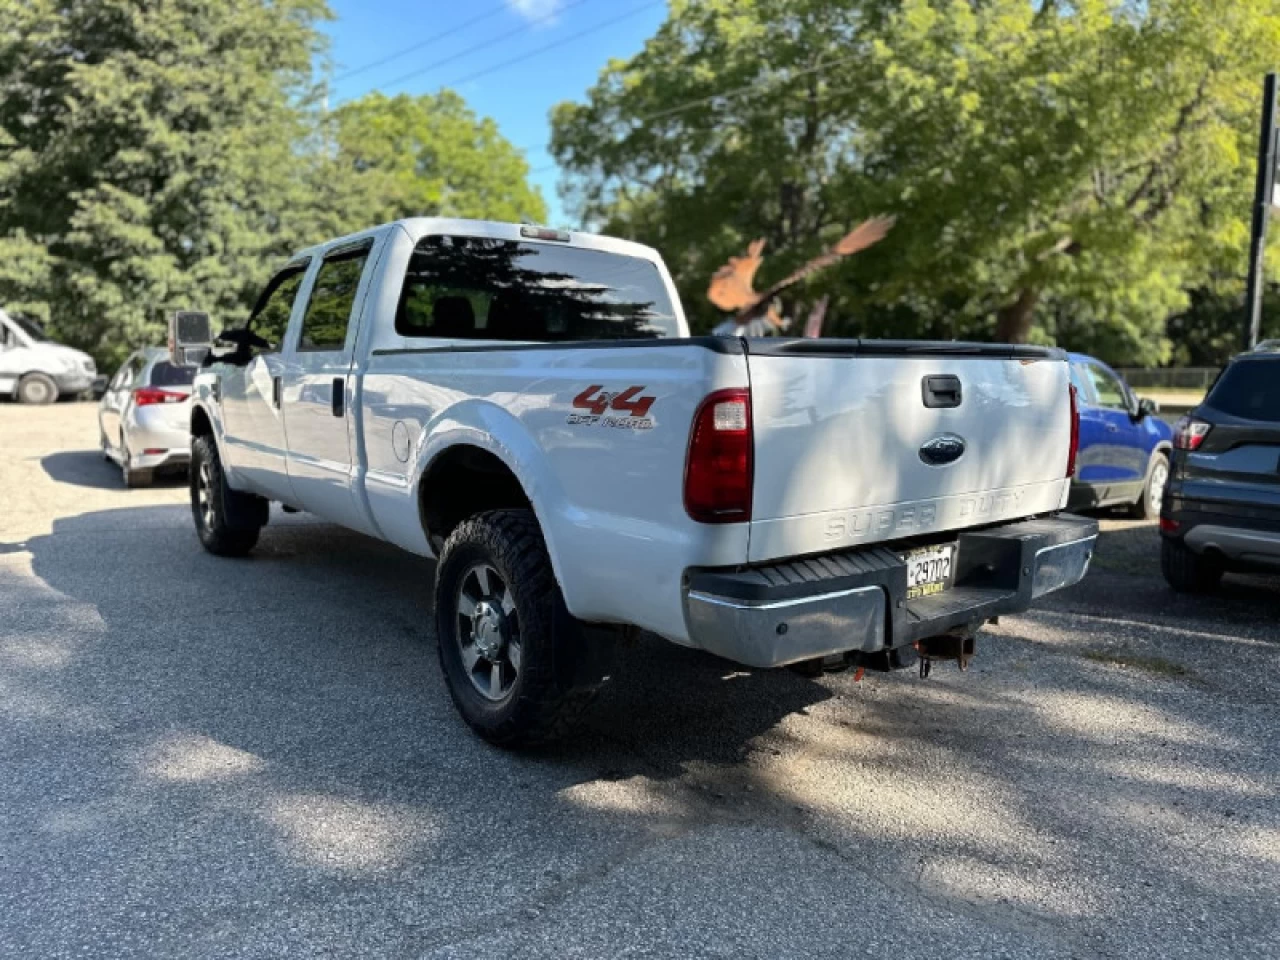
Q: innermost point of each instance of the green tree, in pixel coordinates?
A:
(429, 155)
(1060, 169)
(149, 155)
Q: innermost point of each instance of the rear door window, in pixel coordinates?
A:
(1084, 386)
(324, 326)
(484, 288)
(1249, 389)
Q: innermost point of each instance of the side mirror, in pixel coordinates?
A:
(236, 345)
(190, 337)
(1147, 407)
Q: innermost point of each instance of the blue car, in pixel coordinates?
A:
(1124, 446)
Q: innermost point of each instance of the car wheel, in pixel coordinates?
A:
(209, 504)
(512, 655)
(132, 477)
(1148, 504)
(1188, 571)
(37, 388)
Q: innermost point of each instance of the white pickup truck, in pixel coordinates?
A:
(527, 406)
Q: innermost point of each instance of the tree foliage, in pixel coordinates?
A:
(169, 154)
(1061, 170)
(431, 156)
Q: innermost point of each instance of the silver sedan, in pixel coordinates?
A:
(144, 418)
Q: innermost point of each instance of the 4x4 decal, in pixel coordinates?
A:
(629, 402)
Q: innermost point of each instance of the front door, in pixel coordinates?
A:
(253, 424)
(318, 390)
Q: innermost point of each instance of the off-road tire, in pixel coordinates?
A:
(1188, 571)
(37, 388)
(216, 535)
(554, 685)
(1147, 506)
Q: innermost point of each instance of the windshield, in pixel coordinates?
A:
(31, 329)
(1249, 389)
(489, 289)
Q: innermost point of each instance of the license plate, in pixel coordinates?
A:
(929, 571)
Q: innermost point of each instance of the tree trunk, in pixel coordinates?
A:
(1013, 322)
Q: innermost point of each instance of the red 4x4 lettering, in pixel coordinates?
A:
(627, 401)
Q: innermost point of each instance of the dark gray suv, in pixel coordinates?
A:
(1221, 509)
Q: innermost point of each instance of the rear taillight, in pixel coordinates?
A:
(1075, 432)
(145, 396)
(718, 470)
(1189, 433)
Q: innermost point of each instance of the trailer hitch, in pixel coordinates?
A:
(958, 646)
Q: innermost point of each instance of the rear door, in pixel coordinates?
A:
(862, 442)
(317, 390)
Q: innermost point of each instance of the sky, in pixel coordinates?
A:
(452, 42)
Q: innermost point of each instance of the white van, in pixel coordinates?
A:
(34, 369)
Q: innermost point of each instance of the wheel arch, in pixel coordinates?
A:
(480, 441)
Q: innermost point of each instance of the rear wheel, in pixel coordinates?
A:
(37, 388)
(132, 476)
(208, 504)
(512, 655)
(1188, 571)
(1148, 504)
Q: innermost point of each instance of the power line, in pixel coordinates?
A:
(435, 38)
(502, 65)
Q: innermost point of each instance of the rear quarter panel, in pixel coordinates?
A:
(607, 489)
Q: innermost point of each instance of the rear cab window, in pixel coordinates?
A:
(1248, 389)
(482, 288)
(165, 374)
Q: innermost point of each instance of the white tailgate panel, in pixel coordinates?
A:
(838, 439)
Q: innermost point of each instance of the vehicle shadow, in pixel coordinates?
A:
(88, 468)
(159, 705)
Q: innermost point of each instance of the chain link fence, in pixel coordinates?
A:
(1170, 378)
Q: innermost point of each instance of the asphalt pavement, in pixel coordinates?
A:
(218, 758)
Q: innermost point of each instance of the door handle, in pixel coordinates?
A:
(275, 392)
(941, 392)
(1112, 428)
(339, 395)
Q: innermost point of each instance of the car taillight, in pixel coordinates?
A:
(718, 470)
(1075, 432)
(145, 396)
(1189, 433)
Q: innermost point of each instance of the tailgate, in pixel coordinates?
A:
(866, 441)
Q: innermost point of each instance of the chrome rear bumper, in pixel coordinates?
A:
(772, 615)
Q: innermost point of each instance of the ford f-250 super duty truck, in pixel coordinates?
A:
(527, 406)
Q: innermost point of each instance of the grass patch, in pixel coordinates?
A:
(1158, 666)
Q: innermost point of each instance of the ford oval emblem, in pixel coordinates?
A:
(942, 450)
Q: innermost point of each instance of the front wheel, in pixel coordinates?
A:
(511, 653)
(1149, 502)
(37, 388)
(209, 504)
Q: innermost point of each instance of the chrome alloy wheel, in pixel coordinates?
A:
(204, 494)
(488, 631)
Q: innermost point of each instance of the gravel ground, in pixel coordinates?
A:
(212, 758)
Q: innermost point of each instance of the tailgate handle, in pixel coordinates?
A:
(941, 391)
